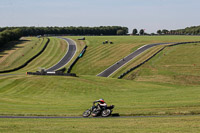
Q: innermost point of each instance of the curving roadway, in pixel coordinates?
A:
(122, 62)
(72, 48)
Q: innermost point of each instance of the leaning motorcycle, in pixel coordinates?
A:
(94, 111)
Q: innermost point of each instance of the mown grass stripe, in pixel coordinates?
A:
(28, 61)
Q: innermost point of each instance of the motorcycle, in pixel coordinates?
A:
(97, 111)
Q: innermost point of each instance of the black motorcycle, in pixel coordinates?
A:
(97, 111)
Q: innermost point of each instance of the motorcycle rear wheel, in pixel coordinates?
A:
(106, 113)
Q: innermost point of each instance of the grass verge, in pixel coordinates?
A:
(183, 124)
(53, 53)
(176, 65)
(69, 96)
(23, 50)
(98, 57)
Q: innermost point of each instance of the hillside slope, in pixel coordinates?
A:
(99, 57)
(18, 52)
(69, 96)
(177, 64)
(167, 84)
(55, 51)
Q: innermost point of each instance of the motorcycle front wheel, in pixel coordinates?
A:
(86, 113)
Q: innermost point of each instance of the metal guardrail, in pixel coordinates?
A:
(75, 61)
(58, 73)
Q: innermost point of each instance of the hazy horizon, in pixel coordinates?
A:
(150, 15)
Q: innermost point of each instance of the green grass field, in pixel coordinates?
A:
(139, 59)
(98, 57)
(12, 57)
(182, 124)
(166, 85)
(68, 96)
(176, 65)
(55, 50)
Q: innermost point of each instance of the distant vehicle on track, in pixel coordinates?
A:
(83, 38)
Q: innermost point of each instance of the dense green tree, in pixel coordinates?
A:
(164, 31)
(135, 31)
(142, 32)
(9, 35)
(159, 32)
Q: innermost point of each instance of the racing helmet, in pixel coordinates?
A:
(101, 100)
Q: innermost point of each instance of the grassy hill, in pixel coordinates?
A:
(68, 96)
(55, 50)
(166, 85)
(177, 65)
(18, 52)
(53, 53)
(98, 57)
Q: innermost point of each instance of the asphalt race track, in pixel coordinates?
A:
(68, 56)
(122, 62)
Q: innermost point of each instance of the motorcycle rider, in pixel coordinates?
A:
(101, 104)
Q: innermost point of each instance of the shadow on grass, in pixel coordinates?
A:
(11, 46)
(115, 115)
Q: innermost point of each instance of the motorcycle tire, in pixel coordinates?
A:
(106, 113)
(95, 113)
(86, 113)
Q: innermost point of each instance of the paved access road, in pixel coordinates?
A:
(122, 62)
(68, 56)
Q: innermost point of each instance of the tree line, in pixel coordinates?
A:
(142, 32)
(8, 35)
(14, 33)
(102, 30)
(194, 30)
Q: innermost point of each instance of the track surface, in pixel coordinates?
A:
(68, 56)
(119, 64)
(78, 117)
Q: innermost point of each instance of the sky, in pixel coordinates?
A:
(150, 15)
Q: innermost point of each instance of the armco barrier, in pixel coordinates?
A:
(133, 68)
(27, 62)
(58, 73)
(74, 62)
